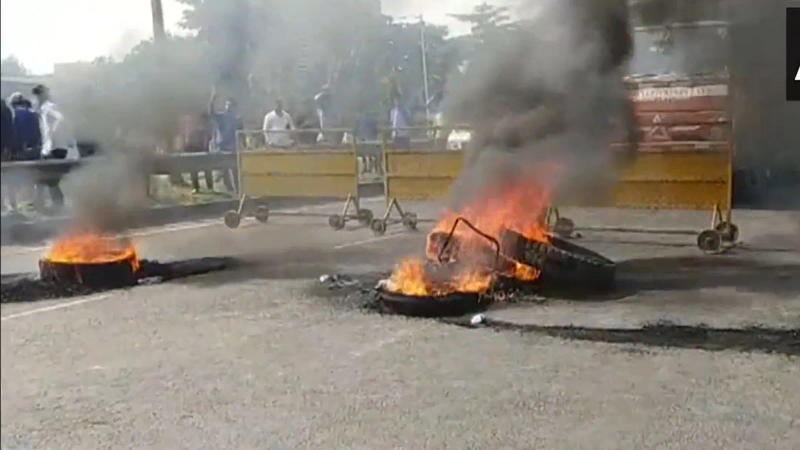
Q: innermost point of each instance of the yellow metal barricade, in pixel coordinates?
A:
(670, 179)
(307, 171)
(690, 178)
(415, 175)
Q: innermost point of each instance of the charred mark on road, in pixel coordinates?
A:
(767, 340)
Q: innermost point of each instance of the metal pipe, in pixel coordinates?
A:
(424, 67)
(159, 34)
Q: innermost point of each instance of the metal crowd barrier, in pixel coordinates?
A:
(328, 169)
(424, 170)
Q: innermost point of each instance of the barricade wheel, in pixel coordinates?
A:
(728, 231)
(262, 214)
(365, 217)
(336, 222)
(410, 221)
(232, 219)
(378, 227)
(709, 241)
(564, 227)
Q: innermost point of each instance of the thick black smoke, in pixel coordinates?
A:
(548, 93)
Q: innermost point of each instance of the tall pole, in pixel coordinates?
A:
(424, 67)
(158, 20)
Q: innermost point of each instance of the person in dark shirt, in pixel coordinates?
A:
(27, 127)
(8, 150)
(226, 123)
(27, 144)
(195, 138)
(27, 130)
(7, 132)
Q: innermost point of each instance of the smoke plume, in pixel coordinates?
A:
(107, 194)
(549, 93)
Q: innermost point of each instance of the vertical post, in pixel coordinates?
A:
(158, 20)
(240, 142)
(424, 67)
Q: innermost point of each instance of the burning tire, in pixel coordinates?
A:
(456, 304)
(563, 264)
(91, 261)
(109, 275)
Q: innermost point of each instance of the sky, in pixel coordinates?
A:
(44, 32)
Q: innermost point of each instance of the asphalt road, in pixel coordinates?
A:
(263, 357)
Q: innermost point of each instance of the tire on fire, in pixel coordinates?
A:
(563, 265)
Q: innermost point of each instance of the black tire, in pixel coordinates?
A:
(410, 221)
(378, 227)
(365, 217)
(453, 305)
(563, 265)
(232, 219)
(709, 241)
(262, 214)
(336, 222)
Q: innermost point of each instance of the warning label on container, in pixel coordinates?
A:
(679, 93)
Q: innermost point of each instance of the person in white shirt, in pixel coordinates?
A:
(49, 121)
(277, 123)
(399, 119)
(49, 118)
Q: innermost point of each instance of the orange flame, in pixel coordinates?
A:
(91, 248)
(518, 204)
(411, 278)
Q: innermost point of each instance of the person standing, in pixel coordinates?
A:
(49, 117)
(27, 130)
(7, 132)
(27, 145)
(195, 138)
(226, 124)
(49, 121)
(9, 149)
(323, 103)
(399, 119)
(277, 124)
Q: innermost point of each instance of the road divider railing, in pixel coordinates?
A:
(48, 171)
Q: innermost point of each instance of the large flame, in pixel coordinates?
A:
(91, 248)
(518, 205)
(411, 278)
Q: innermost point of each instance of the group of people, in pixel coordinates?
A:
(29, 132)
(215, 130)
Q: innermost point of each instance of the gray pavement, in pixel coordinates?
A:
(262, 357)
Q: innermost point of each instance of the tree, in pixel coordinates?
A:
(12, 66)
(486, 21)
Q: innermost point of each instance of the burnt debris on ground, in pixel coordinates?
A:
(360, 292)
(28, 287)
(769, 340)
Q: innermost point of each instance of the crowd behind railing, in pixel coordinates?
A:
(32, 131)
